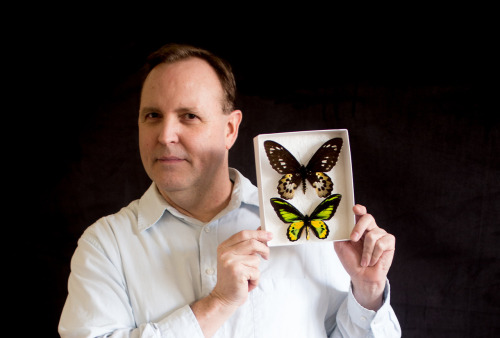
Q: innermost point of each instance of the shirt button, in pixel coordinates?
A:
(363, 318)
(209, 271)
(207, 229)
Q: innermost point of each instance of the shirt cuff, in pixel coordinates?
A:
(181, 323)
(365, 318)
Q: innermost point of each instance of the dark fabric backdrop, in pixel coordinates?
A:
(423, 129)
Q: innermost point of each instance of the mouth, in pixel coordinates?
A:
(169, 159)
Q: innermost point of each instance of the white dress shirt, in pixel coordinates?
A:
(135, 274)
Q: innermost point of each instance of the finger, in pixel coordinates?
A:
(366, 222)
(248, 270)
(369, 244)
(253, 280)
(248, 242)
(251, 261)
(385, 244)
(240, 268)
(237, 263)
(260, 235)
(251, 247)
(359, 210)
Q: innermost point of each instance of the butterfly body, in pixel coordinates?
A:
(295, 231)
(298, 221)
(298, 177)
(294, 173)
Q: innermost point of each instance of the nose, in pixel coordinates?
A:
(169, 132)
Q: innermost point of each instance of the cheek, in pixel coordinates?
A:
(209, 146)
(145, 144)
(218, 140)
(142, 142)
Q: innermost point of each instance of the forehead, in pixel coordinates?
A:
(192, 72)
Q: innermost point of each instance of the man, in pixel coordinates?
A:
(189, 259)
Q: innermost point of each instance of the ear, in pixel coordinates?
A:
(233, 124)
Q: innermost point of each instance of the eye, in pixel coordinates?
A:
(152, 115)
(190, 116)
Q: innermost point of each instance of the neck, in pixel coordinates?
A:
(202, 203)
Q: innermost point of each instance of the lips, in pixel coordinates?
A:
(170, 159)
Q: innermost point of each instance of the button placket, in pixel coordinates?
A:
(208, 257)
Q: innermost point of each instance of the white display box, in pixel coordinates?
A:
(303, 145)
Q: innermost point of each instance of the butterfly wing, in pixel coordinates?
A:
(295, 230)
(288, 184)
(289, 214)
(320, 229)
(321, 182)
(324, 211)
(280, 158)
(286, 164)
(327, 208)
(323, 160)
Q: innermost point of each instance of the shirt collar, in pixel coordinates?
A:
(152, 205)
(243, 190)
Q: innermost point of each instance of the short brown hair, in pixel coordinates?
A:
(171, 53)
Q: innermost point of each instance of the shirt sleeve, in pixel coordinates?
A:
(353, 320)
(98, 304)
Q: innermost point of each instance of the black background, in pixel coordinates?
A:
(418, 101)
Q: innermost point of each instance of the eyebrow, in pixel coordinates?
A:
(183, 110)
(180, 110)
(145, 110)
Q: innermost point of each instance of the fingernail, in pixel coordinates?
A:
(269, 235)
(363, 262)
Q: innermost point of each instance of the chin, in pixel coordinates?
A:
(169, 186)
(172, 183)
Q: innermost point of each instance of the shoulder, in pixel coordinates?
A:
(128, 222)
(108, 229)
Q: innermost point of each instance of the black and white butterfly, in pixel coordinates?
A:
(323, 160)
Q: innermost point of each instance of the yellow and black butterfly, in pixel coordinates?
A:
(294, 173)
(323, 212)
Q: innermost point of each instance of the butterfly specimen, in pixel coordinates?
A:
(294, 173)
(323, 212)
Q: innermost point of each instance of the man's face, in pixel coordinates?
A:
(184, 136)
